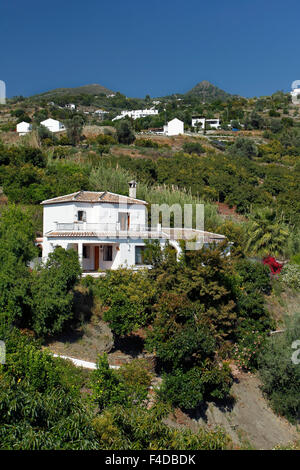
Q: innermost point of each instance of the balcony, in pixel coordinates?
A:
(103, 227)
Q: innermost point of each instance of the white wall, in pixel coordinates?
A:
(53, 125)
(24, 127)
(200, 122)
(174, 127)
(95, 213)
(123, 254)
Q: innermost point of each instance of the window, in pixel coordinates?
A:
(86, 251)
(124, 220)
(81, 216)
(107, 253)
(139, 254)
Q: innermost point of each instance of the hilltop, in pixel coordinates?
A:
(208, 92)
(93, 89)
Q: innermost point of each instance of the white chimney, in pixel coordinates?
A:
(132, 189)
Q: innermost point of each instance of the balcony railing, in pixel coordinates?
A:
(102, 227)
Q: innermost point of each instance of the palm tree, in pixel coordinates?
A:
(267, 234)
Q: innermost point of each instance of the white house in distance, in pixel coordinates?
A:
(101, 113)
(23, 128)
(201, 122)
(71, 106)
(137, 113)
(295, 93)
(107, 230)
(53, 125)
(174, 127)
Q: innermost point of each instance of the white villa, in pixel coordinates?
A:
(23, 128)
(137, 113)
(174, 127)
(201, 122)
(107, 230)
(53, 125)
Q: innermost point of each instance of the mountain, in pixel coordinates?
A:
(208, 92)
(94, 89)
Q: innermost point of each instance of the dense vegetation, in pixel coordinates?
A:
(41, 406)
(196, 316)
(194, 311)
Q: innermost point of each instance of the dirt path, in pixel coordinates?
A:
(249, 421)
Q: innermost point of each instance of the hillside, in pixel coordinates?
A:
(208, 92)
(93, 89)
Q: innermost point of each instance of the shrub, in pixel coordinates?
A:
(279, 374)
(295, 259)
(193, 147)
(137, 379)
(207, 381)
(247, 350)
(107, 388)
(148, 143)
(290, 276)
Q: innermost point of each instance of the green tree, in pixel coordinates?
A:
(16, 250)
(128, 296)
(125, 133)
(243, 147)
(74, 129)
(52, 291)
(267, 234)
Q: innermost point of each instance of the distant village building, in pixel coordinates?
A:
(23, 128)
(137, 113)
(174, 127)
(203, 122)
(295, 93)
(198, 122)
(71, 106)
(100, 113)
(53, 125)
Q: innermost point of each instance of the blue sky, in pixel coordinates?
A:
(248, 47)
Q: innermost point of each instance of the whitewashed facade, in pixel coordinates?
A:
(137, 113)
(23, 128)
(174, 127)
(53, 125)
(107, 230)
(201, 122)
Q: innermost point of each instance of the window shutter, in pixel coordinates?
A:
(84, 216)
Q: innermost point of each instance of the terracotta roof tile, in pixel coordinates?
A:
(94, 197)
